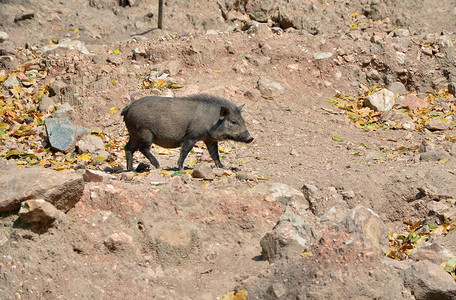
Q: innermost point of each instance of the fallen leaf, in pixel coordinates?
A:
(113, 110)
(337, 138)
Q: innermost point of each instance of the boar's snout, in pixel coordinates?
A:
(249, 140)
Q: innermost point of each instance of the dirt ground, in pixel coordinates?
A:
(300, 138)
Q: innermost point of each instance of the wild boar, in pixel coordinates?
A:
(175, 122)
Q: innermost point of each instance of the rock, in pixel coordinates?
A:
(118, 241)
(323, 55)
(61, 189)
(98, 85)
(260, 10)
(46, 103)
(269, 88)
(398, 119)
(432, 252)
(3, 36)
(63, 111)
(396, 88)
(382, 100)
(309, 191)
(452, 88)
(400, 58)
(10, 82)
(93, 176)
(426, 146)
(62, 134)
(282, 193)
(411, 101)
(367, 226)
(435, 155)
(24, 16)
(253, 94)
(56, 88)
(40, 213)
(7, 165)
(289, 236)
(92, 144)
(401, 32)
(67, 44)
(277, 290)
(204, 171)
(7, 63)
(115, 60)
(437, 123)
(174, 241)
(427, 280)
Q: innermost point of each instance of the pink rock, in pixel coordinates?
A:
(411, 101)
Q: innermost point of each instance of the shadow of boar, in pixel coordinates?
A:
(175, 122)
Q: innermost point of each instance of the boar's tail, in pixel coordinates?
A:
(125, 110)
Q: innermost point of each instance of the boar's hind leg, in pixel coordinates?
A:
(212, 147)
(145, 150)
(130, 148)
(185, 149)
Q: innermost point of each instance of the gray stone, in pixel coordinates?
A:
(269, 88)
(435, 155)
(11, 81)
(62, 134)
(7, 165)
(437, 124)
(397, 88)
(67, 44)
(382, 100)
(401, 32)
(204, 171)
(46, 103)
(91, 144)
(56, 88)
(431, 251)
(452, 88)
(61, 189)
(63, 111)
(40, 212)
(291, 235)
(366, 225)
(115, 60)
(174, 240)
(427, 281)
(3, 36)
(282, 193)
(7, 62)
(118, 241)
(427, 146)
(260, 10)
(98, 85)
(323, 55)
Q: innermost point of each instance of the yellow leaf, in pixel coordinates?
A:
(443, 161)
(113, 110)
(85, 156)
(337, 138)
(164, 151)
(192, 163)
(241, 295)
(204, 186)
(306, 254)
(113, 80)
(217, 71)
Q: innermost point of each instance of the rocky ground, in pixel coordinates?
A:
(346, 192)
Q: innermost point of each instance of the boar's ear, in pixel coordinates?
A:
(224, 111)
(240, 107)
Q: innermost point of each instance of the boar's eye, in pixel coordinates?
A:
(234, 122)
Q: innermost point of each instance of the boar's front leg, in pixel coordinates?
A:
(185, 149)
(212, 147)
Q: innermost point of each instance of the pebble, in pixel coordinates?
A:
(3, 36)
